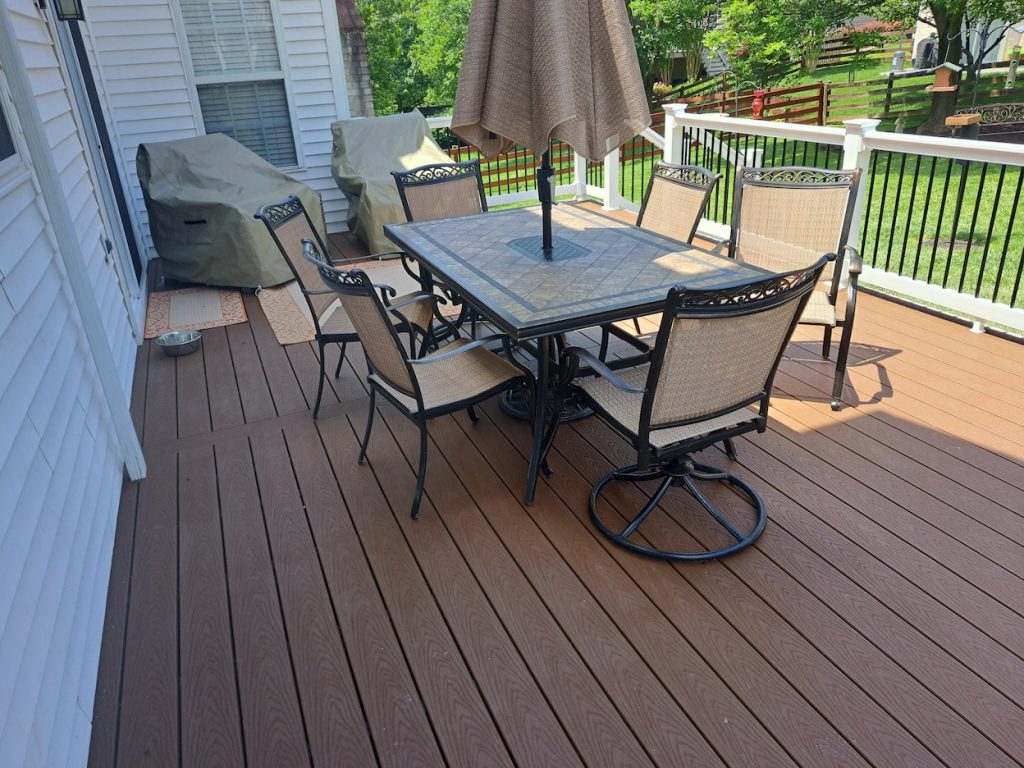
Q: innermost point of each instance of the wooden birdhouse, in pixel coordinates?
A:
(946, 75)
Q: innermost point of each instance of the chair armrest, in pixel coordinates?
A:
(603, 370)
(856, 261)
(460, 350)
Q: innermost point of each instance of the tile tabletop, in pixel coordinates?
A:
(602, 270)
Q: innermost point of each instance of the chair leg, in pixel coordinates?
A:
(602, 354)
(636, 324)
(826, 344)
(730, 449)
(422, 473)
(675, 475)
(341, 359)
(320, 386)
(369, 426)
(841, 356)
(472, 415)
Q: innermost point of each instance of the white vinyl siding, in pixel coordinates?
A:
(60, 466)
(239, 78)
(142, 63)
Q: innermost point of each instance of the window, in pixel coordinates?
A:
(239, 78)
(7, 148)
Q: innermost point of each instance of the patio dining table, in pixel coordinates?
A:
(604, 270)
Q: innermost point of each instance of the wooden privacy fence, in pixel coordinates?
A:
(828, 103)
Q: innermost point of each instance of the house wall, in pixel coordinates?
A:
(60, 464)
(141, 57)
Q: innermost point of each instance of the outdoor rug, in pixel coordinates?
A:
(288, 313)
(193, 309)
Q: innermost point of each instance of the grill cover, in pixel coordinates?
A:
(201, 194)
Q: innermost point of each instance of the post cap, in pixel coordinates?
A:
(861, 124)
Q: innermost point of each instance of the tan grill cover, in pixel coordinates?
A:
(201, 194)
(366, 151)
(539, 69)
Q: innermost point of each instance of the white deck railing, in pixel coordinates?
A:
(858, 139)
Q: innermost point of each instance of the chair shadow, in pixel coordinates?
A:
(861, 355)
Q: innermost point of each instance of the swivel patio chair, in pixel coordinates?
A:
(786, 217)
(289, 224)
(673, 205)
(709, 379)
(456, 377)
(441, 191)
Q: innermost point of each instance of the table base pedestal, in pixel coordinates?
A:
(516, 403)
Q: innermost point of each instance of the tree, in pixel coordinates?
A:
(390, 30)
(763, 37)
(437, 52)
(966, 31)
(663, 27)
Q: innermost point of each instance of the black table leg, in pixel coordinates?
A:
(540, 394)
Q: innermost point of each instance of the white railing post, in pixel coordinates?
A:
(579, 182)
(673, 150)
(611, 181)
(857, 155)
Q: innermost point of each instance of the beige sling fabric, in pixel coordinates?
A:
(539, 69)
(459, 196)
(673, 209)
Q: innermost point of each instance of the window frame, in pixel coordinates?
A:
(283, 75)
(11, 163)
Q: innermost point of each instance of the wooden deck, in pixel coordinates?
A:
(271, 604)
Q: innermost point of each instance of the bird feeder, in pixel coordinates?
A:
(946, 75)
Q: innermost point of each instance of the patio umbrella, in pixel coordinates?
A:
(534, 70)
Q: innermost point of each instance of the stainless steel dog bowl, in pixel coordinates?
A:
(178, 343)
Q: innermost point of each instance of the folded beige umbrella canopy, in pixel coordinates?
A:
(539, 69)
(535, 70)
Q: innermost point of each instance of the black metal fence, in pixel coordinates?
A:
(952, 223)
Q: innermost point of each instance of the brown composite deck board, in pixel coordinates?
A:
(824, 686)
(271, 716)
(211, 725)
(271, 603)
(330, 704)
(221, 387)
(590, 720)
(396, 718)
(529, 726)
(149, 686)
(459, 717)
(253, 389)
(734, 733)
(655, 719)
(193, 401)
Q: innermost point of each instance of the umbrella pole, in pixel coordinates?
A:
(545, 191)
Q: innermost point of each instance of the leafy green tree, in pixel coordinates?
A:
(390, 33)
(437, 52)
(763, 37)
(966, 32)
(663, 27)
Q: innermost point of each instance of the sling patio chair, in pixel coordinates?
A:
(673, 205)
(458, 376)
(289, 224)
(786, 217)
(442, 191)
(709, 378)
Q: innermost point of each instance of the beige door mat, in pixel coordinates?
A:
(288, 313)
(193, 309)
